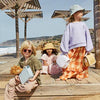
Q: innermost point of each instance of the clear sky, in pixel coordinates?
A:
(46, 26)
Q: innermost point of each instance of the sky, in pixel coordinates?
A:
(45, 26)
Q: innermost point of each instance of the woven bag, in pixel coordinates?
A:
(89, 59)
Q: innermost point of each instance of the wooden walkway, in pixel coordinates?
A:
(50, 89)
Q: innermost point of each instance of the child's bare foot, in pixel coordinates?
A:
(58, 79)
(79, 79)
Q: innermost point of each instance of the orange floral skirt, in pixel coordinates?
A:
(75, 68)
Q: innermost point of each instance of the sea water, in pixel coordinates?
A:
(7, 50)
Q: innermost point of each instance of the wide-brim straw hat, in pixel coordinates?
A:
(76, 8)
(48, 46)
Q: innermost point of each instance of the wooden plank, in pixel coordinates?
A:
(83, 81)
(1, 97)
(48, 91)
(97, 71)
(72, 90)
(46, 79)
(71, 81)
(7, 4)
(21, 7)
(91, 79)
(20, 1)
(5, 68)
(92, 97)
(3, 84)
(60, 82)
(5, 77)
(2, 91)
(85, 89)
(68, 90)
(95, 75)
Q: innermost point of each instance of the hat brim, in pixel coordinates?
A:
(77, 11)
(48, 48)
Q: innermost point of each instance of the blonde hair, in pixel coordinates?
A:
(26, 44)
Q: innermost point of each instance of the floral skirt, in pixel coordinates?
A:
(75, 69)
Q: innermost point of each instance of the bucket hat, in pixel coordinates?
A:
(48, 46)
(75, 8)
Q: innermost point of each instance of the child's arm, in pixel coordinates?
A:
(54, 59)
(89, 44)
(37, 67)
(35, 76)
(17, 79)
(64, 46)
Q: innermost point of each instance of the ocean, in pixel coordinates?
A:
(7, 50)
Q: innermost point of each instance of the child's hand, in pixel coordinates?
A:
(54, 59)
(17, 79)
(87, 53)
(31, 80)
(54, 62)
(35, 76)
(45, 63)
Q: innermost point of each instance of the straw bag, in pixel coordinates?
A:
(89, 59)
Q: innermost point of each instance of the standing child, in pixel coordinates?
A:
(28, 51)
(49, 60)
(75, 43)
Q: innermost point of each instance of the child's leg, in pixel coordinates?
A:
(83, 74)
(44, 70)
(27, 87)
(31, 85)
(10, 90)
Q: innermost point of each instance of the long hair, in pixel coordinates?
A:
(70, 19)
(54, 51)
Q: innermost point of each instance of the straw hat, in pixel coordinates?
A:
(48, 46)
(75, 8)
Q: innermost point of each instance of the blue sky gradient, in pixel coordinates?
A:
(45, 26)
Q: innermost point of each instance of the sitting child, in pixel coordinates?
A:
(49, 65)
(28, 51)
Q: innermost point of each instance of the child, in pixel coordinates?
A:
(28, 51)
(75, 43)
(49, 60)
